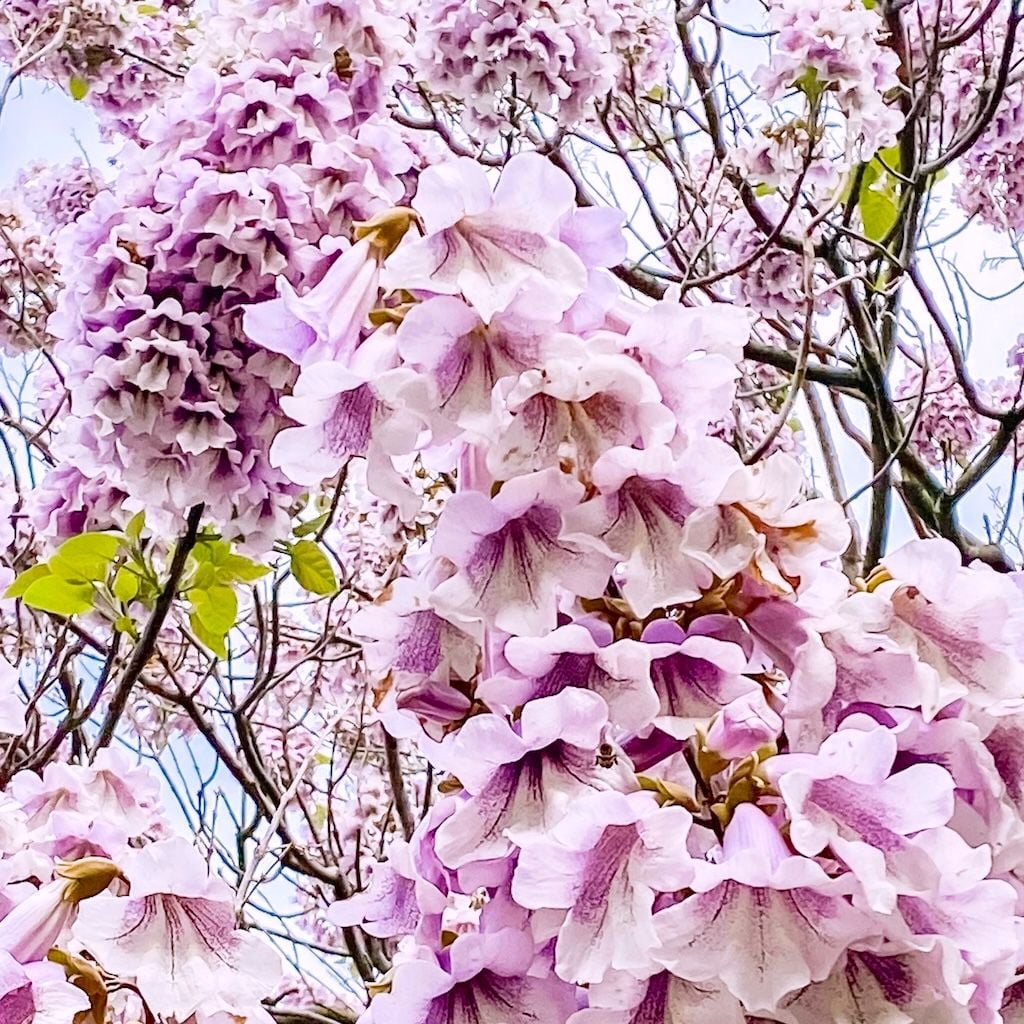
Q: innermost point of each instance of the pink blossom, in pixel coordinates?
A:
(395, 901)
(694, 675)
(640, 506)
(574, 409)
(661, 998)
(37, 993)
(744, 725)
(764, 922)
(42, 919)
(477, 978)
(582, 656)
(510, 556)
(848, 797)
(966, 624)
(691, 353)
(837, 43)
(369, 409)
(465, 357)
(489, 247)
(603, 863)
(923, 987)
(326, 322)
(423, 653)
(521, 779)
(176, 935)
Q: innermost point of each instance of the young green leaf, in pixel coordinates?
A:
(135, 526)
(204, 576)
(238, 567)
(215, 641)
(312, 569)
(310, 527)
(78, 87)
(216, 607)
(85, 558)
(26, 579)
(124, 624)
(878, 213)
(126, 584)
(62, 597)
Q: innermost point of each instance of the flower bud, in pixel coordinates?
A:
(86, 877)
(387, 229)
(743, 726)
(36, 924)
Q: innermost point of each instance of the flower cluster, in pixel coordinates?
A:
(254, 172)
(689, 772)
(833, 49)
(989, 182)
(29, 276)
(43, 200)
(101, 905)
(761, 395)
(557, 57)
(120, 56)
(947, 430)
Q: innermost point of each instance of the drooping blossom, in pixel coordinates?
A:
(176, 935)
(489, 245)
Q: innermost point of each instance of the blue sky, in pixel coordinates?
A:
(41, 122)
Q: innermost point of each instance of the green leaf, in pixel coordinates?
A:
(216, 608)
(238, 567)
(216, 552)
(52, 594)
(305, 529)
(204, 576)
(86, 557)
(809, 84)
(312, 569)
(212, 640)
(889, 157)
(135, 526)
(155, 9)
(878, 213)
(26, 579)
(126, 585)
(78, 87)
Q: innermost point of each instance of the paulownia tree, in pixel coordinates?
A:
(511, 514)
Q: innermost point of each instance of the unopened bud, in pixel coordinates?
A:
(387, 229)
(84, 975)
(87, 877)
(879, 576)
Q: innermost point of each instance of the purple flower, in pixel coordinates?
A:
(521, 778)
(176, 935)
(603, 863)
(763, 922)
(464, 357)
(661, 999)
(573, 408)
(511, 558)
(478, 979)
(637, 516)
(848, 797)
(488, 248)
(580, 656)
(326, 322)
